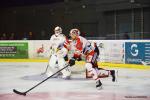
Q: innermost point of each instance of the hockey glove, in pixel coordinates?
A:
(72, 62)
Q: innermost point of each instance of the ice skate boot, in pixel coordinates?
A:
(98, 85)
(112, 73)
(66, 77)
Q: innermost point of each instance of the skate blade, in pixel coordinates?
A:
(99, 88)
(116, 75)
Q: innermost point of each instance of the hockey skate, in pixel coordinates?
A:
(112, 73)
(98, 85)
(66, 74)
(66, 77)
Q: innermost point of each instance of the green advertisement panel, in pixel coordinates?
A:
(13, 50)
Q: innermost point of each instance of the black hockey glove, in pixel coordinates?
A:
(72, 62)
(78, 59)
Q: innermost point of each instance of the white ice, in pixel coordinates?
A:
(22, 76)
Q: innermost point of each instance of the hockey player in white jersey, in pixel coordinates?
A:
(58, 54)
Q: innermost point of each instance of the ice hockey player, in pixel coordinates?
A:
(103, 73)
(58, 54)
(83, 48)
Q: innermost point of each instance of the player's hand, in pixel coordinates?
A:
(78, 59)
(72, 62)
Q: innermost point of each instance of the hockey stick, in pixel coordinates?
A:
(145, 63)
(24, 93)
(46, 66)
(52, 52)
(45, 70)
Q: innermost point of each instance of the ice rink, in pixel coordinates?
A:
(131, 84)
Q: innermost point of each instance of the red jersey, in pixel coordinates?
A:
(79, 45)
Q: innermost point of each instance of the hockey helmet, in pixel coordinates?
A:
(58, 30)
(74, 32)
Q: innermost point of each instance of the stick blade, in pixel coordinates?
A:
(20, 93)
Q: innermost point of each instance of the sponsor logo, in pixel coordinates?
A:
(134, 50)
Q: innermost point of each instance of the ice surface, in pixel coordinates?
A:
(131, 84)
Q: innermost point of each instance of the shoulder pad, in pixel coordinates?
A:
(62, 35)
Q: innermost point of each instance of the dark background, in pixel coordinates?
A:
(97, 19)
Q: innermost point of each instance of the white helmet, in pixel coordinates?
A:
(75, 31)
(58, 30)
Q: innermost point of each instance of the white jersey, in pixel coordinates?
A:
(56, 41)
(84, 41)
(79, 44)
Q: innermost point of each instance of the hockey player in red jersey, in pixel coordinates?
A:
(83, 48)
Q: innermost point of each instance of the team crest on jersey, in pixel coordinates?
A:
(56, 38)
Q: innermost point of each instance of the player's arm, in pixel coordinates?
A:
(67, 44)
(78, 50)
(51, 44)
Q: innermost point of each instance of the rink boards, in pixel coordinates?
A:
(81, 63)
(112, 52)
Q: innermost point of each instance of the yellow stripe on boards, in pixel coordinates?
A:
(23, 60)
(82, 63)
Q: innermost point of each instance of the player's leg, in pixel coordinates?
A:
(93, 60)
(103, 73)
(66, 73)
(94, 74)
(62, 54)
(52, 65)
